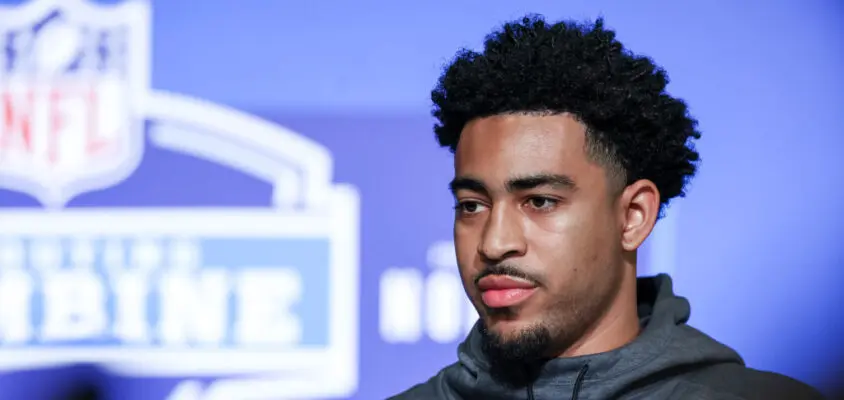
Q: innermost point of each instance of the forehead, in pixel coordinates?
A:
(497, 147)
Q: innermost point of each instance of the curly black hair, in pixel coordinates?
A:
(634, 127)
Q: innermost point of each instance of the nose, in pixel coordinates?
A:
(503, 236)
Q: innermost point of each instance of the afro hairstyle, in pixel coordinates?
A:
(634, 127)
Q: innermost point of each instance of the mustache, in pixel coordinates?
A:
(506, 270)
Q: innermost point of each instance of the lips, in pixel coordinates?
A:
(499, 291)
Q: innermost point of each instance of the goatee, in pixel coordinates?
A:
(516, 361)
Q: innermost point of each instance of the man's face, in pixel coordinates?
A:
(537, 232)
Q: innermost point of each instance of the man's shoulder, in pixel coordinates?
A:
(433, 388)
(424, 390)
(735, 381)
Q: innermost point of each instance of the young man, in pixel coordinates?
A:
(567, 149)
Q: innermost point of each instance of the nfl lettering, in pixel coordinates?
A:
(162, 291)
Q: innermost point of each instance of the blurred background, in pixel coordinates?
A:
(222, 199)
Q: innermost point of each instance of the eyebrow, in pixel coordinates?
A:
(515, 184)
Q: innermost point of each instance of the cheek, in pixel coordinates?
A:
(571, 241)
(466, 250)
(565, 227)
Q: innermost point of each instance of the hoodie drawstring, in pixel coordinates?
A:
(578, 382)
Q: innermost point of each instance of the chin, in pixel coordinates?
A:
(512, 342)
(508, 327)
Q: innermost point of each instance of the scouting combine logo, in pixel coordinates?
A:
(267, 294)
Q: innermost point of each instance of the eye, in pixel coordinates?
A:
(542, 203)
(469, 207)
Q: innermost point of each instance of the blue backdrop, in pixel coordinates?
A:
(271, 216)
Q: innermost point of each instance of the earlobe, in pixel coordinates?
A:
(642, 208)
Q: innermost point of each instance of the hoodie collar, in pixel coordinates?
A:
(663, 316)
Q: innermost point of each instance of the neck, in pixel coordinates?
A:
(618, 326)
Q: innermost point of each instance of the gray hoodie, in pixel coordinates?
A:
(669, 360)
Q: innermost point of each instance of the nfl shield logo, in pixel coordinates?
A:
(263, 300)
(73, 80)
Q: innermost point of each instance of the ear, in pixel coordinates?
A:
(639, 204)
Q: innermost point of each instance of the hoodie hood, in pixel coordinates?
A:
(665, 347)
